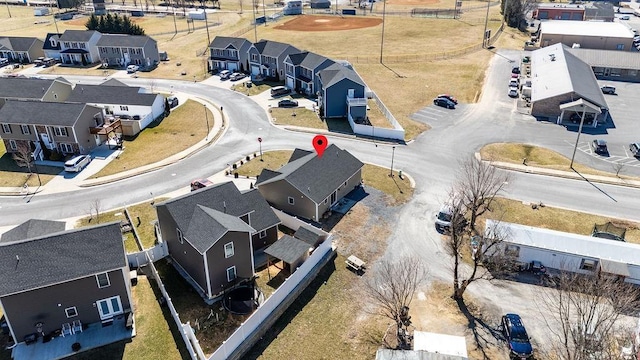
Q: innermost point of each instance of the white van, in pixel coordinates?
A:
(77, 163)
(443, 218)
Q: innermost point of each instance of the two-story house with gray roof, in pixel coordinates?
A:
(342, 93)
(212, 234)
(229, 53)
(301, 71)
(133, 106)
(21, 49)
(62, 127)
(308, 185)
(79, 47)
(266, 58)
(20, 88)
(64, 286)
(121, 50)
(51, 46)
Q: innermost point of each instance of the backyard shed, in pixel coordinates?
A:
(293, 252)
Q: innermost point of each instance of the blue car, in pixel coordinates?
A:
(517, 337)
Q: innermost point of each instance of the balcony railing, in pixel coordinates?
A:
(109, 126)
(357, 101)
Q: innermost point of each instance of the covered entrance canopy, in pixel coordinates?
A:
(579, 106)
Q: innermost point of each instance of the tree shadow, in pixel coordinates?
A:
(483, 333)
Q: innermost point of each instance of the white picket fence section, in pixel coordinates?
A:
(293, 222)
(268, 307)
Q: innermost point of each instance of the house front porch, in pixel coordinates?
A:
(93, 336)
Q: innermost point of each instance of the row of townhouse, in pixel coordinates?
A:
(55, 115)
(83, 47)
(64, 283)
(340, 90)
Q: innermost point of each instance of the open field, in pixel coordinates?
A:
(177, 132)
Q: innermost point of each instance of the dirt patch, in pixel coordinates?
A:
(418, 3)
(328, 23)
(82, 21)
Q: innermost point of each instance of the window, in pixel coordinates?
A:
(254, 57)
(71, 312)
(228, 250)
(13, 145)
(231, 273)
(109, 307)
(512, 251)
(263, 234)
(291, 201)
(103, 280)
(6, 128)
(589, 265)
(25, 129)
(124, 108)
(53, 42)
(620, 47)
(66, 148)
(60, 131)
(180, 238)
(74, 45)
(83, 46)
(67, 44)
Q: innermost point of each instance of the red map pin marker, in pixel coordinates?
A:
(320, 143)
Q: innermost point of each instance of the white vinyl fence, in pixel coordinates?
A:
(153, 254)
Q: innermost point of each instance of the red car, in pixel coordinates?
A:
(200, 183)
(449, 97)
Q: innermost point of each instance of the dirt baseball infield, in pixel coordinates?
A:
(327, 23)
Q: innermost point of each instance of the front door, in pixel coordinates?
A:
(334, 195)
(46, 141)
(109, 307)
(607, 71)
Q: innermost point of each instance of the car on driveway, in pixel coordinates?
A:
(132, 69)
(446, 103)
(515, 70)
(279, 91)
(237, 76)
(224, 74)
(287, 103)
(451, 98)
(77, 163)
(173, 101)
(517, 337)
(513, 92)
(599, 146)
(635, 149)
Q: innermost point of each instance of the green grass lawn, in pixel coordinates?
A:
(154, 338)
(11, 175)
(272, 160)
(308, 118)
(183, 128)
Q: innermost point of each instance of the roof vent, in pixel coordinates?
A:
(224, 205)
(553, 57)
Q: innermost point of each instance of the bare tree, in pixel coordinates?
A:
(617, 167)
(583, 315)
(23, 155)
(152, 83)
(478, 184)
(95, 205)
(391, 288)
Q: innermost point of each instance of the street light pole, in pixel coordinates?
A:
(578, 137)
(206, 116)
(264, 11)
(486, 22)
(393, 153)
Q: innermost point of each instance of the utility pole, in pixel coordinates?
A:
(206, 116)
(175, 26)
(255, 29)
(264, 11)
(393, 153)
(206, 24)
(486, 22)
(578, 137)
(8, 10)
(384, 8)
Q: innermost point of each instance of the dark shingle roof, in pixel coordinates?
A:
(47, 43)
(114, 82)
(336, 72)
(317, 177)
(308, 59)
(42, 113)
(288, 249)
(309, 235)
(123, 40)
(77, 35)
(117, 95)
(60, 257)
(207, 226)
(273, 48)
(263, 217)
(23, 88)
(223, 42)
(17, 43)
(32, 228)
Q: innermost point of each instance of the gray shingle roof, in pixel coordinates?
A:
(60, 257)
(223, 42)
(313, 60)
(288, 249)
(114, 82)
(123, 40)
(334, 73)
(24, 88)
(77, 35)
(317, 177)
(117, 95)
(17, 43)
(273, 48)
(47, 43)
(207, 226)
(42, 113)
(608, 58)
(263, 217)
(32, 228)
(309, 235)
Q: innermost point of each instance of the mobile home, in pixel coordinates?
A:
(292, 7)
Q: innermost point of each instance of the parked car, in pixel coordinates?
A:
(588, 118)
(446, 103)
(287, 103)
(224, 74)
(132, 69)
(200, 183)
(451, 98)
(279, 91)
(537, 268)
(517, 337)
(237, 76)
(77, 163)
(515, 76)
(624, 17)
(635, 149)
(599, 146)
(173, 101)
(608, 89)
(514, 82)
(513, 92)
(443, 218)
(515, 70)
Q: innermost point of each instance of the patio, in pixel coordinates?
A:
(95, 335)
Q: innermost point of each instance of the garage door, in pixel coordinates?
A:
(255, 70)
(289, 82)
(232, 66)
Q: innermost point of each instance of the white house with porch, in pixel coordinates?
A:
(79, 47)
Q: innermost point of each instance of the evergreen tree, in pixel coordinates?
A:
(101, 24)
(117, 24)
(113, 25)
(92, 23)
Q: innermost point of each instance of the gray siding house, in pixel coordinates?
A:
(20, 88)
(212, 234)
(308, 185)
(21, 49)
(266, 58)
(342, 93)
(51, 46)
(54, 280)
(123, 50)
(301, 71)
(64, 127)
(79, 47)
(229, 53)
